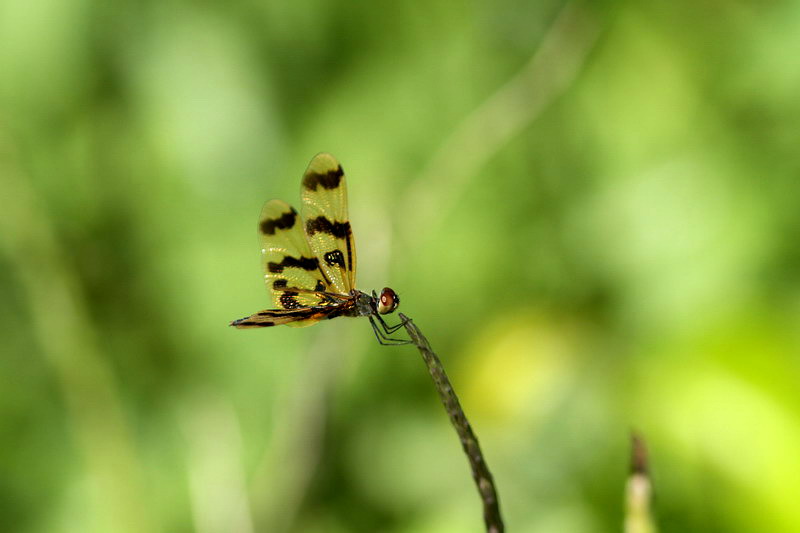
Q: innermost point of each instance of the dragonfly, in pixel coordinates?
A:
(309, 260)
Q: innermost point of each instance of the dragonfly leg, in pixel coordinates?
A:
(387, 328)
(383, 338)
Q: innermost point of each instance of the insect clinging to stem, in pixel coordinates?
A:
(310, 260)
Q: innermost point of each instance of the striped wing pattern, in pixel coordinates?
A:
(287, 260)
(309, 263)
(327, 225)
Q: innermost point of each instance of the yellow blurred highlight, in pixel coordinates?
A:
(517, 367)
(737, 429)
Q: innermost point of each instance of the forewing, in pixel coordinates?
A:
(327, 225)
(288, 262)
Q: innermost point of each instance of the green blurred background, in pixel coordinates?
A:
(590, 210)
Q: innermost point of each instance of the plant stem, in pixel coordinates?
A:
(480, 470)
(639, 491)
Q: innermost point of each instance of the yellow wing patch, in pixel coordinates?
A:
(327, 226)
(287, 260)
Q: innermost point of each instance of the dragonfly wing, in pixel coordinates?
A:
(327, 224)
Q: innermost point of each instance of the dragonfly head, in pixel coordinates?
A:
(388, 301)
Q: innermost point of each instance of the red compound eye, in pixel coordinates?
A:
(388, 301)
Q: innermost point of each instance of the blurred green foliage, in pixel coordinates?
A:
(591, 211)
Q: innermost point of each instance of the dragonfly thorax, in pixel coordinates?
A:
(365, 305)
